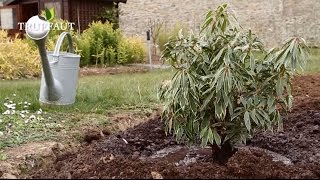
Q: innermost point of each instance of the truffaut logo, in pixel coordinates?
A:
(39, 26)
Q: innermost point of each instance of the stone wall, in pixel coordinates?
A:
(273, 20)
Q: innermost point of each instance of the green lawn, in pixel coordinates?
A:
(95, 94)
(313, 65)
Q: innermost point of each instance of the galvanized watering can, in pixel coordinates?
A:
(60, 70)
(59, 86)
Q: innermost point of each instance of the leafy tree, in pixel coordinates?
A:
(111, 15)
(226, 86)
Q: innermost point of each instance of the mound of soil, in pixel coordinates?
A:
(146, 152)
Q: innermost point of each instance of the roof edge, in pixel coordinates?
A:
(7, 2)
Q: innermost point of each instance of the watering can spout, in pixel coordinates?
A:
(38, 29)
(53, 91)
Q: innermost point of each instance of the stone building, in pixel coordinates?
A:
(273, 20)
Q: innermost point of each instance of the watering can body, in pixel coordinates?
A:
(64, 68)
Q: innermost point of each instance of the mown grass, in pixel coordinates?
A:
(313, 65)
(95, 94)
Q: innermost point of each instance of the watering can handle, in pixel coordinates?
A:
(59, 43)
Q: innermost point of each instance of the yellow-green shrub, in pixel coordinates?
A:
(17, 58)
(97, 43)
(101, 44)
(131, 50)
(137, 50)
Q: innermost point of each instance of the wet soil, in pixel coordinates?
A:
(146, 152)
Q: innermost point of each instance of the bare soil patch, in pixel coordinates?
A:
(145, 151)
(87, 71)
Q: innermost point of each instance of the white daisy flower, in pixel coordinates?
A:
(22, 115)
(7, 112)
(39, 111)
(32, 117)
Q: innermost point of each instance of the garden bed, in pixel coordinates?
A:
(87, 71)
(146, 152)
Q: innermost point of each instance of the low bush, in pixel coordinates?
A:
(222, 93)
(15, 65)
(131, 50)
(100, 44)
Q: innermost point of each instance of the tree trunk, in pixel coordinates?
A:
(223, 154)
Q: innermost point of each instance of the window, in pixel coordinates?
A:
(8, 18)
(56, 6)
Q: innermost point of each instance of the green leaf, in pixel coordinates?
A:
(207, 100)
(265, 115)
(210, 136)
(280, 122)
(217, 57)
(220, 111)
(208, 20)
(204, 137)
(261, 119)
(224, 25)
(50, 14)
(279, 87)
(290, 101)
(237, 113)
(220, 82)
(204, 131)
(252, 62)
(271, 100)
(217, 137)
(247, 121)
(253, 117)
(244, 102)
